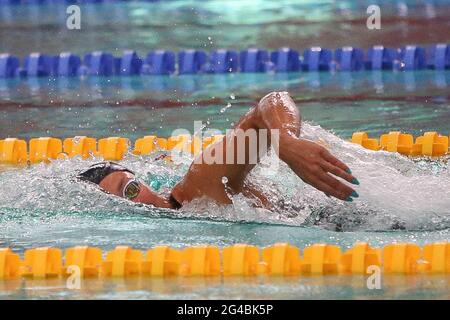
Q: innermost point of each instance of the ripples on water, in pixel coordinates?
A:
(395, 193)
(177, 25)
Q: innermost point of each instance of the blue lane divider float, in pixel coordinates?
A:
(317, 59)
(349, 58)
(381, 58)
(38, 65)
(413, 57)
(191, 61)
(164, 62)
(99, 63)
(67, 64)
(439, 57)
(254, 60)
(159, 62)
(8, 65)
(223, 61)
(285, 60)
(129, 64)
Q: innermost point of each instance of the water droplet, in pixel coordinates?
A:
(225, 108)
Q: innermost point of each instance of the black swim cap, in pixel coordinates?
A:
(97, 172)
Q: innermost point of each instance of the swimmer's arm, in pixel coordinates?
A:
(147, 196)
(310, 161)
(252, 192)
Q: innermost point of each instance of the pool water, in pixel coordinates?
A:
(400, 199)
(376, 102)
(207, 24)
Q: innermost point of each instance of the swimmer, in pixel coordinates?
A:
(310, 161)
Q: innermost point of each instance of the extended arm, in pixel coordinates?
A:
(313, 163)
(310, 161)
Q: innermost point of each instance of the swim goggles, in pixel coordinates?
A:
(131, 189)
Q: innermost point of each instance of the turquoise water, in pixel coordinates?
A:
(181, 24)
(401, 199)
(343, 287)
(413, 102)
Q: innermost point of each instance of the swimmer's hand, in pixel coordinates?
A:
(316, 166)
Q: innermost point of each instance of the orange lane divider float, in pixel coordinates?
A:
(321, 259)
(200, 261)
(431, 144)
(359, 258)
(281, 259)
(401, 258)
(240, 260)
(10, 264)
(122, 261)
(161, 261)
(87, 259)
(82, 146)
(397, 142)
(146, 145)
(362, 138)
(44, 149)
(14, 151)
(113, 148)
(42, 263)
(436, 257)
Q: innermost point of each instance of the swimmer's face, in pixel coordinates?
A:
(124, 185)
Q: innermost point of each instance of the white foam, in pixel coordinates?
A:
(395, 192)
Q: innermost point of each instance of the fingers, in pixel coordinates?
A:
(331, 186)
(337, 167)
(340, 190)
(324, 187)
(334, 161)
(328, 167)
(321, 170)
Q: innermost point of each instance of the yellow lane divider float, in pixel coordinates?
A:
(16, 152)
(280, 259)
(431, 144)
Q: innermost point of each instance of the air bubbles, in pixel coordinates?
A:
(394, 191)
(225, 108)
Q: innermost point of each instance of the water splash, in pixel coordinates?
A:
(395, 192)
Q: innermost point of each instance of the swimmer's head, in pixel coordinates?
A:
(115, 179)
(99, 171)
